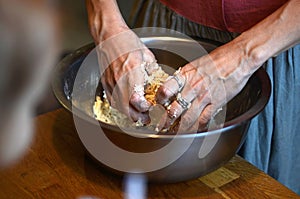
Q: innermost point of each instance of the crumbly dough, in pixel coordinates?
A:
(107, 114)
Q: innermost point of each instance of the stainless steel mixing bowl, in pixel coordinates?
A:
(190, 163)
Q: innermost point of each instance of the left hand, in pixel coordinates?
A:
(206, 84)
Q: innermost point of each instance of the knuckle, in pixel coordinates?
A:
(187, 120)
(205, 117)
(135, 98)
(140, 103)
(203, 120)
(163, 92)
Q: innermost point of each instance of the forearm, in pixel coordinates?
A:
(104, 18)
(245, 54)
(276, 33)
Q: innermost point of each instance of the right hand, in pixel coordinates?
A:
(122, 57)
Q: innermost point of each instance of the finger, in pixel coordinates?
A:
(136, 82)
(149, 62)
(165, 94)
(139, 102)
(148, 56)
(138, 116)
(157, 114)
(107, 85)
(173, 85)
(184, 99)
(176, 108)
(205, 117)
(189, 120)
(128, 110)
(173, 113)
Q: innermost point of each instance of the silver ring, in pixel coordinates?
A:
(179, 79)
(183, 102)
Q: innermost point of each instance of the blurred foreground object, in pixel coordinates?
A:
(29, 48)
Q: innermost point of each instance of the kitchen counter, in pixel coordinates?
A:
(57, 166)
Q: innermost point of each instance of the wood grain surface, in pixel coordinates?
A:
(57, 166)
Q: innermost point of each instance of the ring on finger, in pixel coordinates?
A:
(182, 102)
(179, 79)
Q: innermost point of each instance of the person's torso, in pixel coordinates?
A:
(230, 15)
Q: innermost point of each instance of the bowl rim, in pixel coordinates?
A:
(82, 52)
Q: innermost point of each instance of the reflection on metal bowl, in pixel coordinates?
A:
(188, 156)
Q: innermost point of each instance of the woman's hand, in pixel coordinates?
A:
(199, 89)
(125, 62)
(125, 65)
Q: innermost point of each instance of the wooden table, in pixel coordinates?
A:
(56, 166)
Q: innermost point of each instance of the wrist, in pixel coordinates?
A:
(230, 58)
(105, 19)
(110, 28)
(256, 51)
